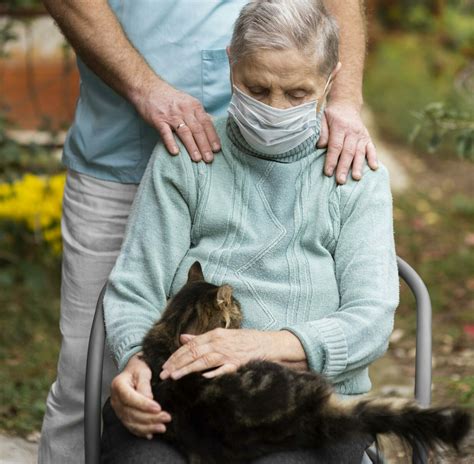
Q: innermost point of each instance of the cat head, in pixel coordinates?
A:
(201, 306)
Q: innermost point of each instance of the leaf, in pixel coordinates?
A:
(414, 133)
(435, 142)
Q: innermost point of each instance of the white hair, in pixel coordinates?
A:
(304, 25)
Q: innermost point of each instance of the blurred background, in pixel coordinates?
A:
(419, 94)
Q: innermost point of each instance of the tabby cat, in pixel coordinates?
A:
(265, 407)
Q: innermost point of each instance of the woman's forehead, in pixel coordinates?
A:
(278, 67)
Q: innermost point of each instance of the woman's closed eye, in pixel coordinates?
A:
(297, 94)
(258, 91)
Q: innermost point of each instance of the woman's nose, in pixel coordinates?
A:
(278, 102)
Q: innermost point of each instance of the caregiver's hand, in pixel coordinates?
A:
(348, 141)
(224, 349)
(132, 400)
(169, 110)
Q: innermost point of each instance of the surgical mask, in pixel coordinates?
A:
(273, 131)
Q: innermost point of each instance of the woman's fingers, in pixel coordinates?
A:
(204, 362)
(194, 347)
(139, 414)
(191, 345)
(144, 430)
(133, 416)
(185, 338)
(225, 369)
(131, 398)
(191, 352)
(142, 423)
(123, 394)
(143, 383)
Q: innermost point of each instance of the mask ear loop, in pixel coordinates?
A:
(323, 96)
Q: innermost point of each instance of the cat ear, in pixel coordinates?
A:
(195, 272)
(224, 296)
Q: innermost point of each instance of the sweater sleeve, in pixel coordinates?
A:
(367, 276)
(157, 238)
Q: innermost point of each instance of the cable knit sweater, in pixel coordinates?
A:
(301, 252)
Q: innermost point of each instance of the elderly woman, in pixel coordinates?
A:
(312, 262)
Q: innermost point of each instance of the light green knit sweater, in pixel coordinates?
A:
(302, 253)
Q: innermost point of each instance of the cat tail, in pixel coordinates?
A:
(425, 427)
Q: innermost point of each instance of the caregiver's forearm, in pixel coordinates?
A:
(287, 349)
(350, 16)
(98, 38)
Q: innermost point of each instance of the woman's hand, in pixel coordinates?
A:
(132, 400)
(224, 349)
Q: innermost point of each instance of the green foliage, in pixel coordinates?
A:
(465, 390)
(404, 14)
(426, 59)
(440, 123)
(405, 74)
(457, 27)
(6, 35)
(17, 158)
(451, 21)
(463, 205)
(14, 5)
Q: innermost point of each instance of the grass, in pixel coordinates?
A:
(30, 340)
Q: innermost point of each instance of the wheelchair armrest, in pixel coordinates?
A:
(423, 332)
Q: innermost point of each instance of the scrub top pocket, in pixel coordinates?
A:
(216, 89)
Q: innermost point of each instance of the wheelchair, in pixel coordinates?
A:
(423, 359)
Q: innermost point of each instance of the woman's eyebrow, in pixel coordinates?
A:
(304, 86)
(258, 82)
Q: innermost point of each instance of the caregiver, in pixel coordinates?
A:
(312, 262)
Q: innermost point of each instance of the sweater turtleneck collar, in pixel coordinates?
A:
(304, 149)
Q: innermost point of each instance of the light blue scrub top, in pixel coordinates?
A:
(184, 42)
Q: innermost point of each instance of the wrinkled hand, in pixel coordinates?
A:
(224, 349)
(132, 400)
(165, 108)
(348, 141)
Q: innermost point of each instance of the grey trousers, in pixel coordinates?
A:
(94, 216)
(119, 446)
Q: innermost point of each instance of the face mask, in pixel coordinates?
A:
(273, 131)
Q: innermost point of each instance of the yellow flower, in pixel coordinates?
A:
(35, 201)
